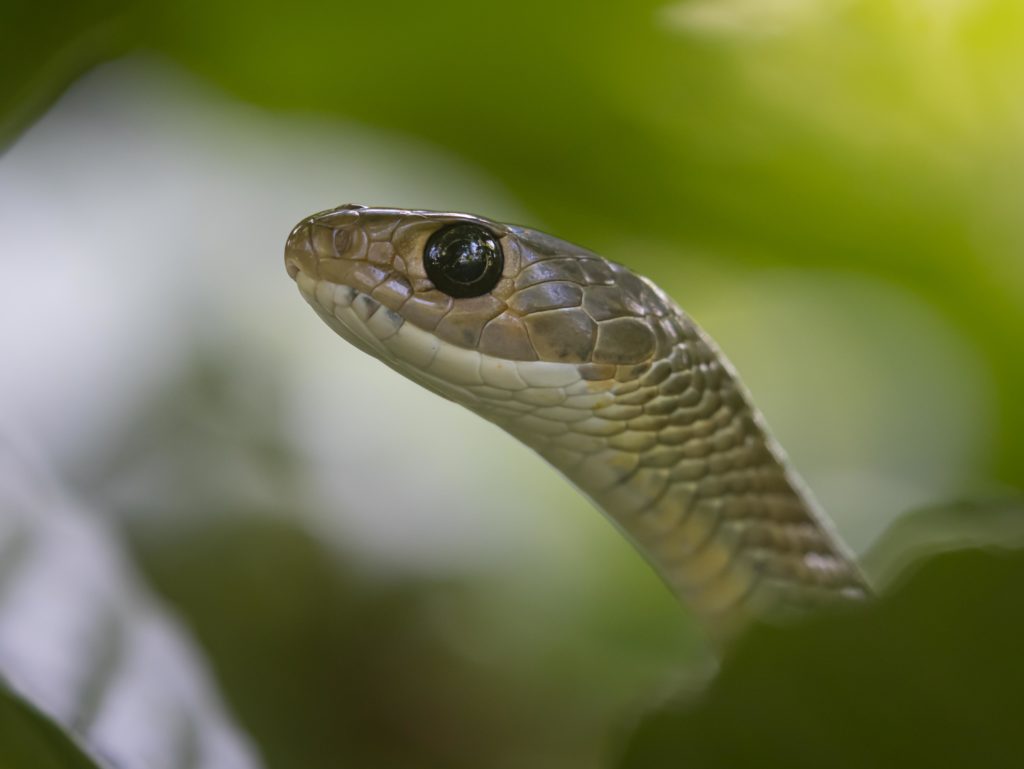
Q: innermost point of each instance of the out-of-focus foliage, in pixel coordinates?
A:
(996, 524)
(324, 664)
(798, 161)
(928, 676)
(324, 660)
(93, 671)
(45, 45)
(861, 135)
(30, 740)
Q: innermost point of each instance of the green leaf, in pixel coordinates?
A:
(701, 125)
(930, 675)
(47, 45)
(93, 672)
(982, 523)
(28, 738)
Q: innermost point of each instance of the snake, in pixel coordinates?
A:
(603, 375)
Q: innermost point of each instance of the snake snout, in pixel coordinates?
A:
(325, 238)
(299, 255)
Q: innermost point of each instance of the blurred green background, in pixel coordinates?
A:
(831, 188)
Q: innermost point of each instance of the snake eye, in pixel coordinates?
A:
(463, 260)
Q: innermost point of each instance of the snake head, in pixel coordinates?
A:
(471, 284)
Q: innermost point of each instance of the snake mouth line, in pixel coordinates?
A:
(356, 316)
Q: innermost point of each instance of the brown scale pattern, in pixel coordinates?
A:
(707, 495)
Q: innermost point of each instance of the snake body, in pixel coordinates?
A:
(597, 370)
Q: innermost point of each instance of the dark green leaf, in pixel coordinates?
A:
(46, 45)
(930, 675)
(87, 656)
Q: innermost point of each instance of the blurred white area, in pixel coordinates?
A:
(760, 18)
(145, 216)
(82, 642)
(765, 18)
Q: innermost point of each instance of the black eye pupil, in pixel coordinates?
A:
(463, 260)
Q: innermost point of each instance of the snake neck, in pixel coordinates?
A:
(682, 463)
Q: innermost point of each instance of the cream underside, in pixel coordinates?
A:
(530, 393)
